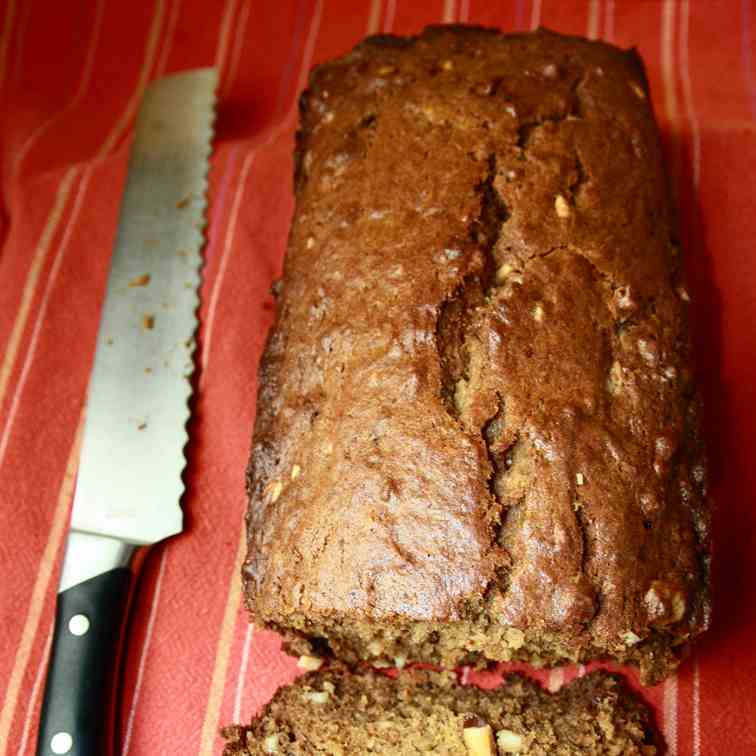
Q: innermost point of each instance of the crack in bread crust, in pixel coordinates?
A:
(480, 367)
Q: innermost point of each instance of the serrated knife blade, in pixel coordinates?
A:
(129, 482)
(129, 479)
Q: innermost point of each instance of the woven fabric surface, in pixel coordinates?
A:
(71, 77)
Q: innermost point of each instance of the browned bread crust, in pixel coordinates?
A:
(477, 434)
(427, 712)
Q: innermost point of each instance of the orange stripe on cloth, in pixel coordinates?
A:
(222, 654)
(594, 14)
(669, 713)
(40, 590)
(374, 18)
(449, 12)
(535, 15)
(35, 269)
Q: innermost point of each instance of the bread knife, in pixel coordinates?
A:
(129, 482)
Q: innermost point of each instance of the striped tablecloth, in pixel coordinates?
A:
(71, 76)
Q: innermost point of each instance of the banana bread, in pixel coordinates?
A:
(477, 432)
(427, 712)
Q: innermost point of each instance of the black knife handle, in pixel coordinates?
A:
(77, 711)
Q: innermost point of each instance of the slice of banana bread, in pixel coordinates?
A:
(477, 434)
(337, 713)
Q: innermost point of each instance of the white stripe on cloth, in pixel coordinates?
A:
(242, 673)
(696, 706)
(225, 255)
(669, 713)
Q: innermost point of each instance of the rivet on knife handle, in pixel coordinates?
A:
(129, 482)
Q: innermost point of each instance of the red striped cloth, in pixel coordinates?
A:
(71, 77)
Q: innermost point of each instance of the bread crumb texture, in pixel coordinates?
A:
(428, 712)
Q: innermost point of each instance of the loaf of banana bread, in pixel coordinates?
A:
(477, 432)
(427, 712)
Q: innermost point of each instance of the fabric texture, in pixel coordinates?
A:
(71, 75)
